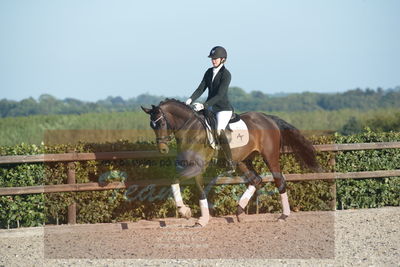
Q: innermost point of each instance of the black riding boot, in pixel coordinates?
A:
(223, 142)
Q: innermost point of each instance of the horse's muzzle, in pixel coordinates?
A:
(163, 148)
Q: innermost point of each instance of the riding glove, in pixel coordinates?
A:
(198, 106)
(188, 102)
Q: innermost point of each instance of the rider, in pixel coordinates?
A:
(217, 80)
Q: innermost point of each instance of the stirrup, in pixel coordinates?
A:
(231, 166)
(228, 172)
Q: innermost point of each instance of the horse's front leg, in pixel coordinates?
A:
(203, 203)
(183, 210)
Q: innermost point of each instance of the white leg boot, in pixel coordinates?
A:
(205, 213)
(244, 200)
(183, 210)
(285, 207)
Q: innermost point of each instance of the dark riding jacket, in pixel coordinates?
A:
(217, 90)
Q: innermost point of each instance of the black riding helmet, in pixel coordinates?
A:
(218, 52)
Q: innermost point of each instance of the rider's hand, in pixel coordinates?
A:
(188, 102)
(198, 106)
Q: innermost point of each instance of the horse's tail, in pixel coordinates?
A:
(302, 148)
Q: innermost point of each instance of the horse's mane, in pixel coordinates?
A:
(174, 101)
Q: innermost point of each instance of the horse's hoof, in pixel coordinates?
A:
(202, 221)
(188, 215)
(240, 213)
(185, 212)
(197, 225)
(282, 218)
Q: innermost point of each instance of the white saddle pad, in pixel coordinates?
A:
(238, 136)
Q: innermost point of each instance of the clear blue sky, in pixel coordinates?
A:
(92, 49)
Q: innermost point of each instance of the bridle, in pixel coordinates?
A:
(167, 138)
(162, 139)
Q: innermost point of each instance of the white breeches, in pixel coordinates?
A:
(223, 118)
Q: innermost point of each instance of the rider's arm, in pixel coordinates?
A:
(200, 89)
(222, 90)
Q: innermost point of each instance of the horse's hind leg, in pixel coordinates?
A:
(272, 161)
(254, 180)
(184, 210)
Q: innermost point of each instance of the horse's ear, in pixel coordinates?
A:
(153, 107)
(147, 110)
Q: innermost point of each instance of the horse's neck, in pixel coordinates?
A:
(189, 128)
(179, 115)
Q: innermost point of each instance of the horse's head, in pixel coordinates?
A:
(159, 123)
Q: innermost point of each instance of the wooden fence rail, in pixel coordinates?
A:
(68, 157)
(72, 157)
(6, 191)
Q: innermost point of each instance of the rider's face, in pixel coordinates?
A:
(216, 61)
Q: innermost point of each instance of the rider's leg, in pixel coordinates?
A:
(223, 118)
(224, 143)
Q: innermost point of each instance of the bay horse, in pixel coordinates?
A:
(267, 136)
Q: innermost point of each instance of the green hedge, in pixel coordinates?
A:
(368, 193)
(120, 205)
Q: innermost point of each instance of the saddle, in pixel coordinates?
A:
(211, 119)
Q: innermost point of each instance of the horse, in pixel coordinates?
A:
(268, 135)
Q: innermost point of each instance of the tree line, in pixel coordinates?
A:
(242, 101)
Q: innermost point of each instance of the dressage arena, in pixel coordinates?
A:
(333, 238)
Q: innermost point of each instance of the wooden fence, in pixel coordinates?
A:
(72, 186)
